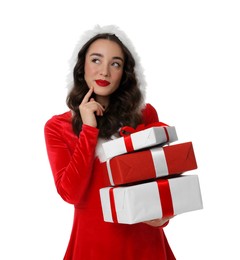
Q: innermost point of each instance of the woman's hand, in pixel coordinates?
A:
(157, 222)
(89, 109)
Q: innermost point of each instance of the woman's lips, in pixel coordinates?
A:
(102, 83)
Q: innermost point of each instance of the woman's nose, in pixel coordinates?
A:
(105, 71)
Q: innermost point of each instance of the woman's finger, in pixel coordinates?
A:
(87, 96)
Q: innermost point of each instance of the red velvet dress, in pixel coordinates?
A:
(78, 175)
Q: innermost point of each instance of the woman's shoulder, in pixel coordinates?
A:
(149, 108)
(149, 114)
(59, 120)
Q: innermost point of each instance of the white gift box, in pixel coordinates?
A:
(142, 139)
(152, 200)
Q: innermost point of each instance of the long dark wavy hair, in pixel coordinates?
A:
(124, 104)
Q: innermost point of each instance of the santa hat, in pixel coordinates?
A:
(112, 29)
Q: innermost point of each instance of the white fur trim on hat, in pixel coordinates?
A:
(112, 29)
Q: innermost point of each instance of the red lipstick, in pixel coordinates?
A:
(102, 83)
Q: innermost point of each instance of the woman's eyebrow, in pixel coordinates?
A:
(118, 58)
(96, 54)
(100, 55)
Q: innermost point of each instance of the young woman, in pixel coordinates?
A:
(107, 93)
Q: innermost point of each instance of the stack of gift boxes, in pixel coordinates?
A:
(146, 172)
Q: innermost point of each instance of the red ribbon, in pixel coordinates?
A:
(166, 132)
(128, 143)
(113, 208)
(165, 198)
(126, 132)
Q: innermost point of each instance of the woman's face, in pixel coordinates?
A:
(104, 66)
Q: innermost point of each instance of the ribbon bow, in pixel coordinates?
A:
(127, 130)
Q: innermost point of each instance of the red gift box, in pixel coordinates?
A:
(151, 163)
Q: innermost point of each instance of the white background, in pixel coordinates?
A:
(191, 55)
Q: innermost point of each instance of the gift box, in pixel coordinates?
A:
(139, 140)
(151, 163)
(152, 200)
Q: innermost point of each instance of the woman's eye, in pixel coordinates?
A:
(116, 64)
(97, 61)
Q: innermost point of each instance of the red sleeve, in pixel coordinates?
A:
(150, 115)
(72, 172)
